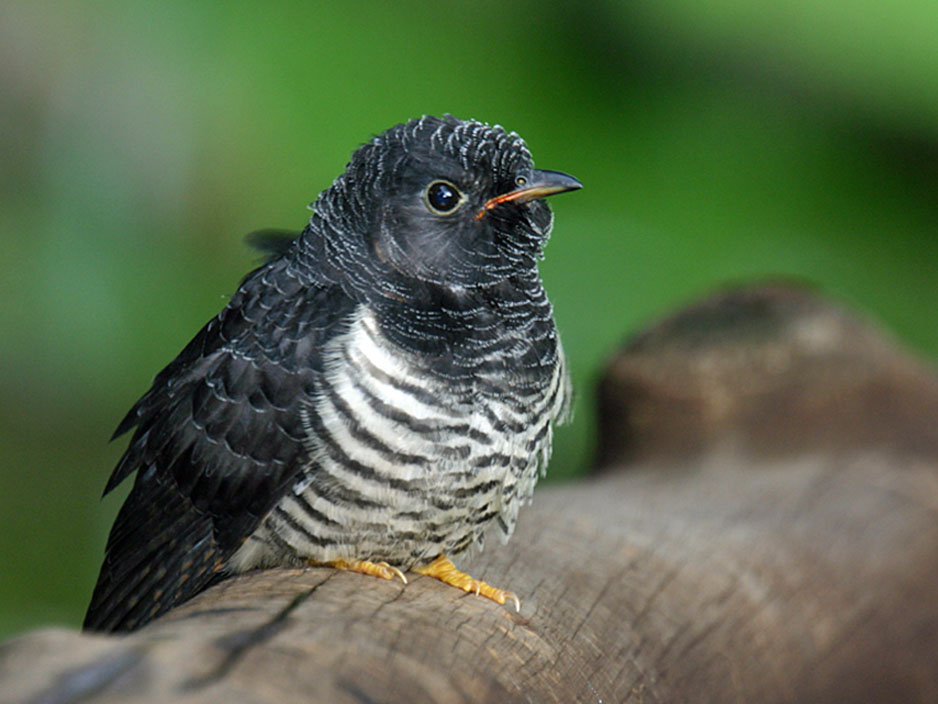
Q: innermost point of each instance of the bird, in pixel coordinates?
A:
(377, 396)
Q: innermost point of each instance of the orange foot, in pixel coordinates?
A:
(445, 571)
(375, 569)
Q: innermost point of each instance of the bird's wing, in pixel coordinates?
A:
(217, 442)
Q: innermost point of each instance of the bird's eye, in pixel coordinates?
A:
(521, 180)
(442, 197)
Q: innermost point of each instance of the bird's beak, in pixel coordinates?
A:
(542, 183)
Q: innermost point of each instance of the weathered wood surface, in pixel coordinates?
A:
(755, 564)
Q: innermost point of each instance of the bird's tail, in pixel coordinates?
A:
(160, 553)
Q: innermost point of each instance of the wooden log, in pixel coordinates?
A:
(770, 370)
(726, 573)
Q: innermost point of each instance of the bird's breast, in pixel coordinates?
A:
(404, 462)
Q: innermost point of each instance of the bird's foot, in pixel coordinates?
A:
(375, 569)
(445, 571)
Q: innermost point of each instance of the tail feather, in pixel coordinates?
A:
(140, 580)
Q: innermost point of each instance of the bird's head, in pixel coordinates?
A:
(441, 201)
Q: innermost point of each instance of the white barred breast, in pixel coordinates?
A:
(404, 465)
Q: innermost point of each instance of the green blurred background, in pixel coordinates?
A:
(140, 141)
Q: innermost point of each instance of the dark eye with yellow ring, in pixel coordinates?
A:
(442, 197)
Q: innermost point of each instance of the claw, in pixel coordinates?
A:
(375, 569)
(445, 571)
(394, 569)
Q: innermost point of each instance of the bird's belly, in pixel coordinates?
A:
(403, 467)
(408, 498)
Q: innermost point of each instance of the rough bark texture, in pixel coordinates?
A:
(765, 529)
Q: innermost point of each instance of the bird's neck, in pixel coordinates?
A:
(441, 320)
(427, 318)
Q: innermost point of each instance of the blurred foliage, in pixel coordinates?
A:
(141, 141)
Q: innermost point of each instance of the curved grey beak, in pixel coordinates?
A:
(543, 183)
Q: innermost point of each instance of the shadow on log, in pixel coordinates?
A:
(765, 529)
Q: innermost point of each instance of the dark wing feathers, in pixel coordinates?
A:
(217, 442)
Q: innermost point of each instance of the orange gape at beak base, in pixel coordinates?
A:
(544, 183)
